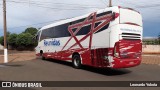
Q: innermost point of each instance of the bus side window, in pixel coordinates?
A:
(70, 23)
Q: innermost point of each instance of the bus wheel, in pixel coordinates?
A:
(76, 61)
(42, 57)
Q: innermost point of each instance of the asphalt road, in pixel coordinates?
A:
(39, 70)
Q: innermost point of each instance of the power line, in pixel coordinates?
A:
(39, 5)
(104, 3)
(128, 2)
(37, 23)
(42, 5)
(148, 6)
(60, 3)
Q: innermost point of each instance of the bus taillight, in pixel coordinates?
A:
(115, 15)
(116, 50)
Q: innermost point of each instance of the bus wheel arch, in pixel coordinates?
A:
(76, 60)
(41, 55)
(41, 52)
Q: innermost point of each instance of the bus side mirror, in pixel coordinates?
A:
(35, 38)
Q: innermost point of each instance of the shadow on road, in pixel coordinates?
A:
(10, 65)
(104, 71)
(107, 71)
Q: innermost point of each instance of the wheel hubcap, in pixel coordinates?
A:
(76, 62)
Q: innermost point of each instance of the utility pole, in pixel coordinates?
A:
(5, 32)
(110, 3)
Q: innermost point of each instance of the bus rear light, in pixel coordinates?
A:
(116, 54)
(115, 15)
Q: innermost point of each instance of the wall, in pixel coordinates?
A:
(1, 47)
(151, 48)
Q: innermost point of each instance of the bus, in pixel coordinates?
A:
(110, 37)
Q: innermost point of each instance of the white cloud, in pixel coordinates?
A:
(22, 14)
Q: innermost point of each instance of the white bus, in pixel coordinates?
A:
(111, 37)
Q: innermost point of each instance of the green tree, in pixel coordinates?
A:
(31, 30)
(2, 40)
(8, 33)
(159, 38)
(12, 39)
(24, 39)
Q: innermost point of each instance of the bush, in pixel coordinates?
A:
(24, 41)
(12, 40)
(31, 30)
(2, 40)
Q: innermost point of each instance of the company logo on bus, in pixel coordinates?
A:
(52, 43)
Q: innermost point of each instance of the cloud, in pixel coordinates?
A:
(29, 12)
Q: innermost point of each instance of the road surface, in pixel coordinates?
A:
(39, 70)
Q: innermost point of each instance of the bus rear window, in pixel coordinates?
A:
(128, 16)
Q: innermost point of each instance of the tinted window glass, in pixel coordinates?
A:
(78, 21)
(104, 13)
(84, 30)
(61, 31)
(103, 28)
(96, 24)
(47, 33)
(74, 30)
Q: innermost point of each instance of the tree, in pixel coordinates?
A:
(12, 39)
(31, 30)
(2, 40)
(159, 38)
(24, 39)
(24, 42)
(8, 33)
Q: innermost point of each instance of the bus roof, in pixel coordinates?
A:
(76, 18)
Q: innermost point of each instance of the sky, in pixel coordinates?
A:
(37, 13)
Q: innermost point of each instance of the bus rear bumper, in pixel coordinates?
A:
(125, 63)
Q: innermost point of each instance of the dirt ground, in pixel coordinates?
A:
(151, 59)
(15, 56)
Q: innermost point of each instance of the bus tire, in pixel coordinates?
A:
(76, 61)
(42, 57)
